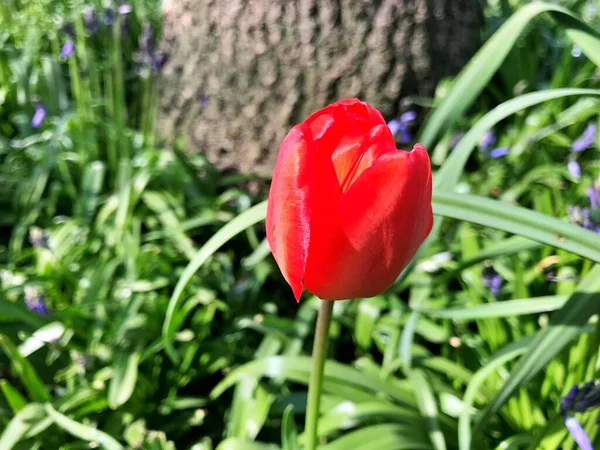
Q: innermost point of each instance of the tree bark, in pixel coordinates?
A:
(241, 73)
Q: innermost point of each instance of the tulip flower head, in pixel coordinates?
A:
(347, 211)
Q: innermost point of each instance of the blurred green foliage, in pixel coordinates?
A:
(140, 308)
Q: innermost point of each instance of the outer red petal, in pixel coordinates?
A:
(376, 228)
(289, 208)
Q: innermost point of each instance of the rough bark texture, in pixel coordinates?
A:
(242, 72)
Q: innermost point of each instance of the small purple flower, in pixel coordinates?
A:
(586, 140)
(401, 126)
(394, 126)
(580, 399)
(109, 16)
(158, 61)
(574, 169)
(499, 152)
(594, 196)
(67, 49)
(408, 117)
(583, 218)
(124, 9)
(487, 140)
(493, 281)
(203, 100)
(38, 117)
(91, 20)
(578, 433)
(35, 301)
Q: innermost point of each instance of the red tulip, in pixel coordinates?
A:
(347, 211)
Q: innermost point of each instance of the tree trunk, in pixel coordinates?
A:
(241, 73)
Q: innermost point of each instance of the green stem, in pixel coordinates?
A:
(316, 377)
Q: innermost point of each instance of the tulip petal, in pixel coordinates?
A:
(375, 229)
(344, 132)
(288, 210)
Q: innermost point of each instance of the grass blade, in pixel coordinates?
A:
(508, 308)
(25, 371)
(124, 379)
(520, 221)
(235, 226)
(565, 325)
(480, 69)
(82, 431)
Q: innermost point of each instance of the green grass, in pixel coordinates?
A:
(169, 323)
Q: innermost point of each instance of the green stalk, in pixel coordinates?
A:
(119, 91)
(316, 377)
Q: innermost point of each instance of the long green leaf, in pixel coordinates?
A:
(518, 220)
(565, 325)
(428, 407)
(243, 444)
(508, 353)
(82, 431)
(396, 437)
(449, 174)
(480, 69)
(236, 226)
(25, 371)
(22, 424)
(13, 397)
(122, 384)
(290, 367)
(289, 435)
(507, 308)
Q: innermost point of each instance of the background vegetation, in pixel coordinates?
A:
(140, 307)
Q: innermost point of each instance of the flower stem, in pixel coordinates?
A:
(316, 377)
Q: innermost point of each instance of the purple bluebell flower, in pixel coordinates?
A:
(408, 117)
(578, 434)
(148, 55)
(594, 196)
(203, 100)
(90, 20)
(580, 399)
(574, 169)
(456, 139)
(401, 126)
(583, 218)
(109, 16)
(35, 301)
(394, 126)
(38, 116)
(158, 61)
(499, 152)
(586, 140)
(493, 281)
(124, 9)
(67, 49)
(487, 141)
